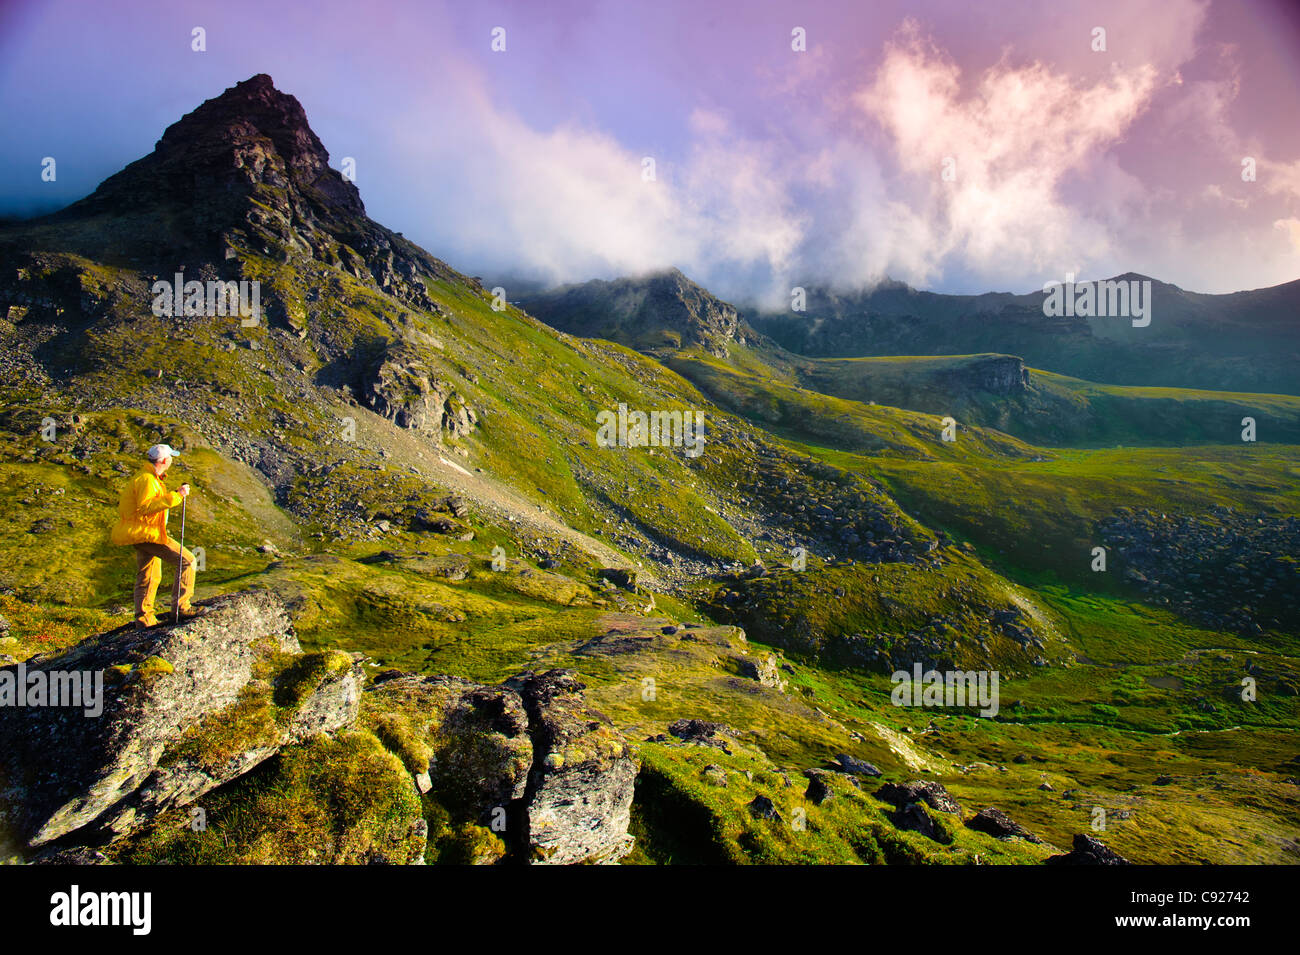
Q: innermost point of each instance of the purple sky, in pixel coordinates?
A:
(773, 167)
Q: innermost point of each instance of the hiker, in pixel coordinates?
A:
(142, 523)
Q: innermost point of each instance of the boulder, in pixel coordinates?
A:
(760, 807)
(579, 800)
(856, 767)
(184, 708)
(819, 790)
(917, 817)
(927, 791)
(407, 392)
(998, 824)
(527, 759)
(1088, 850)
(763, 670)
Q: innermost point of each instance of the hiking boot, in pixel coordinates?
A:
(189, 613)
(147, 623)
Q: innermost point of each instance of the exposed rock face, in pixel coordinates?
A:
(250, 143)
(528, 759)
(678, 303)
(245, 172)
(579, 798)
(193, 707)
(330, 706)
(664, 310)
(404, 390)
(146, 751)
(1088, 851)
(765, 671)
(996, 374)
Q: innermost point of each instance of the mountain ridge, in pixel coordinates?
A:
(411, 466)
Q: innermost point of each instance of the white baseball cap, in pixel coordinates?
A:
(160, 451)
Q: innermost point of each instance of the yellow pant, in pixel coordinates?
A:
(148, 574)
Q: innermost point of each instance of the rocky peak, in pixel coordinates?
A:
(661, 310)
(244, 169)
(254, 132)
(674, 300)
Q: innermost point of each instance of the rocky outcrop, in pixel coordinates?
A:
(528, 760)
(245, 172)
(998, 824)
(927, 791)
(663, 311)
(525, 770)
(404, 390)
(765, 671)
(184, 709)
(470, 741)
(579, 796)
(1088, 851)
(996, 374)
(1225, 569)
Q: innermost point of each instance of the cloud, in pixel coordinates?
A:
(1291, 227)
(1055, 170)
(571, 203)
(1007, 148)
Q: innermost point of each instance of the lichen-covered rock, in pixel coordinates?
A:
(317, 693)
(332, 800)
(579, 797)
(927, 791)
(185, 708)
(764, 670)
(476, 739)
(525, 769)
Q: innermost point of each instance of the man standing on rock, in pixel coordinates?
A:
(142, 523)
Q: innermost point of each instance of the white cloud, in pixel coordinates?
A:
(1012, 143)
(1040, 185)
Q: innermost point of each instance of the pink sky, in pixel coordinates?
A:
(773, 166)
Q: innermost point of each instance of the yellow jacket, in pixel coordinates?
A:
(142, 510)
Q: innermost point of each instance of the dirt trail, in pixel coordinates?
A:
(495, 499)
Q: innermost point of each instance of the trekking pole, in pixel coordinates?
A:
(180, 561)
